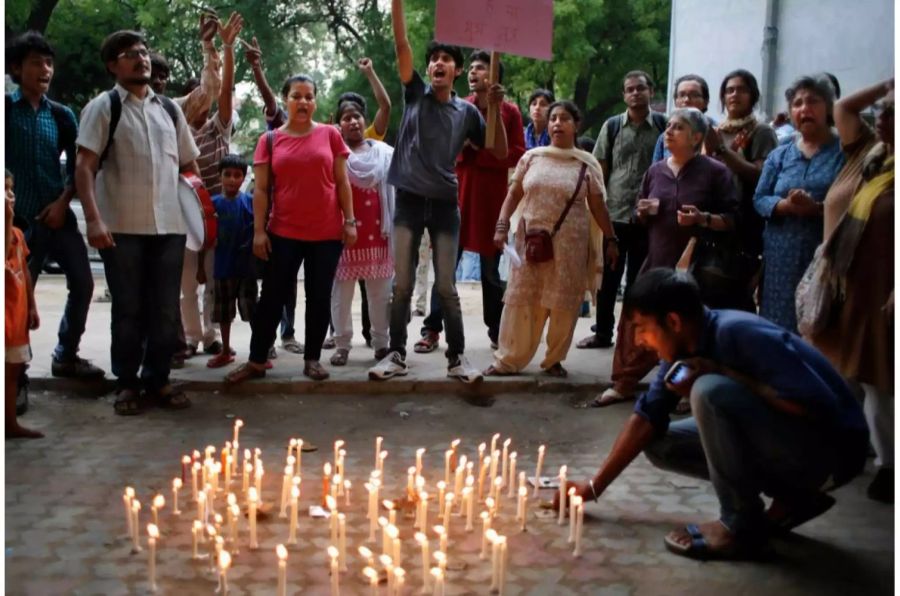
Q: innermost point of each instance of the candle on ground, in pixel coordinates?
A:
(337, 485)
(485, 536)
(176, 486)
(235, 514)
(522, 510)
(441, 532)
(159, 502)
(511, 478)
(347, 486)
(419, 453)
(254, 500)
(388, 565)
(392, 511)
(382, 457)
(448, 507)
(237, 430)
(504, 470)
(378, 460)
(438, 581)
(458, 477)
(579, 527)
(372, 575)
(467, 499)
(152, 537)
(342, 540)
(385, 547)
(537, 470)
(335, 572)
(211, 540)
(399, 580)
(440, 498)
(394, 535)
(235, 456)
(495, 561)
(326, 478)
(448, 455)
(185, 466)
(285, 489)
(373, 511)
(423, 507)
(135, 516)
(292, 444)
(573, 501)
(258, 472)
(485, 463)
(337, 448)
(295, 498)
(494, 440)
(195, 538)
(282, 569)
(366, 554)
(298, 464)
(495, 461)
(562, 495)
(498, 484)
(195, 469)
(501, 579)
(224, 564)
(127, 498)
(228, 467)
(411, 482)
(441, 558)
(248, 469)
(331, 503)
(422, 541)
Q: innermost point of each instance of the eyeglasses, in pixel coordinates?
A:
(689, 96)
(133, 54)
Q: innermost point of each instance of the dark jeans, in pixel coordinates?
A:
(143, 273)
(745, 448)
(492, 288)
(413, 215)
(366, 322)
(288, 312)
(320, 261)
(66, 247)
(633, 252)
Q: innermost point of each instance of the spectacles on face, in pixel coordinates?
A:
(134, 54)
(693, 96)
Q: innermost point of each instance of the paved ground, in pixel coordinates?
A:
(589, 369)
(65, 532)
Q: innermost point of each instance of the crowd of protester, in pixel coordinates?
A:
(746, 218)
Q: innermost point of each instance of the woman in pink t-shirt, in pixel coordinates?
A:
(309, 222)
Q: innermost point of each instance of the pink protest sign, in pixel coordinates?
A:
(521, 27)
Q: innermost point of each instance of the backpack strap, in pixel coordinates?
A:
(115, 114)
(613, 127)
(171, 109)
(659, 121)
(67, 130)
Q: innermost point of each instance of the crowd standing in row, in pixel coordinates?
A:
(726, 201)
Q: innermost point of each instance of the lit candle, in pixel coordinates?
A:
(176, 486)
(419, 453)
(347, 486)
(394, 536)
(385, 547)
(448, 507)
(411, 482)
(485, 528)
(383, 457)
(562, 495)
(440, 498)
(285, 489)
(388, 565)
(423, 507)
(441, 532)
(448, 455)
(195, 537)
(498, 483)
(572, 503)
(537, 470)
(481, 474)
(127, 498)
(135, 516)
(366, 554)
(392, 511)
(292, 532)
(495, 461)
(521, 510)
(337, 484)
(248, 467)
(504, 470)
(454, 445)
(373, 508)
(208, 502)
(441, 558)
(494, 440)
(481, 449)
(579, 527)
(467, 498)
(228, 465)
(299, 460)
(152, 536)
(185, 466)
(194, 491)
(378, 460)
(235, 456)
(216, 470)
(235, 511)
(422, 541)
(337, 447)
(501, 576)
(292, 444)
(282, 569)
(257, 462)
(326, 478)
(258, 473)
(213, 552)
(254, 499)
(511, 478)
(399, 580)
(342, 457)
(237, 430)
(331, 503)
(521, 479)
(489, 503)
(224, 564)
(458, 477)
(342, 540)
(438, 581)
(159, 502)
(372, 575)
(495, 560)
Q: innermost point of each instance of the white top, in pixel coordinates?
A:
(137, 187)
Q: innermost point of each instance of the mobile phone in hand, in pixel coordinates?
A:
(678, 373)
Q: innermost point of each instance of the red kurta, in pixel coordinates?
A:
(483, 182)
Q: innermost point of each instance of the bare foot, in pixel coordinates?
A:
(15, 431)
(717, 536)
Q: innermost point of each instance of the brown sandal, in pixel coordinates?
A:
(244, 372)
(340, 356)
(314, 370)
(557, 371)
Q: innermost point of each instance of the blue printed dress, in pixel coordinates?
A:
(789, 242)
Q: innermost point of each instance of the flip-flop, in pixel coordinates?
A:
(610, 397)
(219, 360)
(175, 399)
(800, 515)
(340, 357)
(557, 371)
(243, 373)
(131, 404)
(700, 550)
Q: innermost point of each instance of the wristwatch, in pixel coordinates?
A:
(350, 222)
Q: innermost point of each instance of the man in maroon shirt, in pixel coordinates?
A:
(482, 188)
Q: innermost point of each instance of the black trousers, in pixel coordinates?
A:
(632, 254)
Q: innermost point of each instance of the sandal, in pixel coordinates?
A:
(329, 343)
(244, 372)
(314, 370)
(129, 403)
(340, 356)
(428, 343)
(493, 371)
(594, 341)
(557, 371)
(169, 398)
(782, 519)
(219, 360)
(699, 548)
(610, 397)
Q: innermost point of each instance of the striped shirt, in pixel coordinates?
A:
(137, 189)
(212, 140)
(32, 155)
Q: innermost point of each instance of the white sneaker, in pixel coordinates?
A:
(462, 370)
(392, 365)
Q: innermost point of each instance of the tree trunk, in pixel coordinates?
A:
(40, 15)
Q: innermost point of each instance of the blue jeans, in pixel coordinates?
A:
(413, 215)
(143, 273)
(320, 260)
(66, 247)
(745, 447)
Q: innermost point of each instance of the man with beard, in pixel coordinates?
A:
(134, 218)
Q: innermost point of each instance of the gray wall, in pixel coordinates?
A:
(854, 40)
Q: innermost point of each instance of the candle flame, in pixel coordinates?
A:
(437, 573)
(289, 470)
(399, 573)
(455, 443)
(371, 574)
(449, 497)
(252, 494)
(439, 556)
(507, 442)
(224, 560)
(393, 532)
(196, 466)
(523, 491)
(484, 515)
(186, 459)
(489, 502)
(441, 485)
(491, 534)
(382, 521)
(421, 538)
(487, 461)
(411, 470)
(420, 451)
(388, 504)
(470, 481)
(292, 442)
(152, 531)
(239, 423)
(386, 560)
(296, 481)
(347, 484)
(135, 505)
(218, 519)
(365, 553)
(482, 447)
(513, 455)
(176, 483)
(198, 525)
(231, 499)
(246, 454)
(327, 469)
(281, 552)
(383, 455)
(295, 493)
(291, 461)
(439, 530)
(562, 470)
(330, 502)
(572, 491)
(159, 501)
(339, 443)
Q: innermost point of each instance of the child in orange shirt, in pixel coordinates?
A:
(21, 315)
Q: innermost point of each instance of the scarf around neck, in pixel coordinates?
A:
(733, 126)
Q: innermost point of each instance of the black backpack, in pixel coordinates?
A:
(67, 129)
(614, 127)
(115, 113)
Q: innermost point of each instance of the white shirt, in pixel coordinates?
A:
(137, 187)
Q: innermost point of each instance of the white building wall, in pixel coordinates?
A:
(853, 39)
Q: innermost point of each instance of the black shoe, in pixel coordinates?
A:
(77, 368)
(882, 487)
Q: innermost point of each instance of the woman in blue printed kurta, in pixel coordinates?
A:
(790, 196)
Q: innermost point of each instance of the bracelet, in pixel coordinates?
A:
(350, 222)
(228, 45)
(593, 492)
